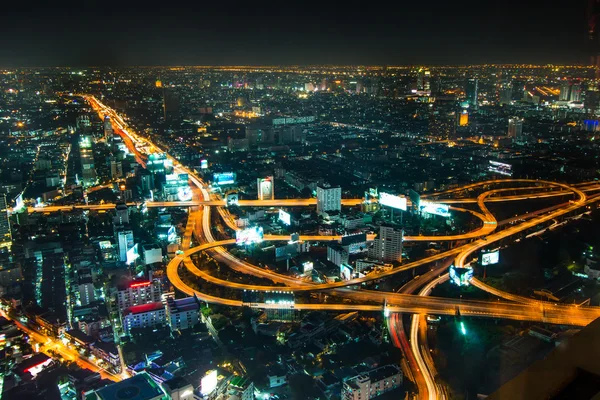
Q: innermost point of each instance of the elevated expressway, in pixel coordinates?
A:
(547, 312)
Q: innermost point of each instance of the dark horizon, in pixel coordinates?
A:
(434, 33)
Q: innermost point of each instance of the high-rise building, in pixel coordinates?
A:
(266, 188)
(505, 93)
(143, 316)
(5, 234)
(423, 80)
(138, 292)
(116, 168)
(124, 243)
(472, 92)
(575, 94)
(463, 119)
(371, 384)
(329, 199)
(121, 214)
(88, 169)
(565, 90)
(108, 130)
(182, 313)
(387, 246)
(592, 101)
(86, 290)
(170, 105)
(515, 128)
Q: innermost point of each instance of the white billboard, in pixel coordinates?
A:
(490, 258)
(308, 266)
(285, 217)
(249, 236)
(434, 208)
(500, 168)
(390, 200)
(208, 383)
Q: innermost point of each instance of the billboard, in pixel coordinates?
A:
(249, 236)
(132, 254)
(203, 164)
(346, 272)
(490, 258)
(285, 217)
(265, 188)
(208, 383)
(308, 266)
(224, 178)
(390, 200)
(500, 168)
(460, 276)
(232, 199)
(184, 193)
(434, 208)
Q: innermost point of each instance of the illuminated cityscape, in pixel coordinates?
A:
(322, 219)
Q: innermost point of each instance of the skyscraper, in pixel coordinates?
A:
(565, 89)
(329, 199)
(505, 93)
(387, 246)
(124, 243)
(472, 92)
(575, 94)
(515, 128)
(5, 235)
(108, 130)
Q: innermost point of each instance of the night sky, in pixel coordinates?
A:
(259, 33)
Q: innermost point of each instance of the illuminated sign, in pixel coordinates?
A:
(232, 199)
(105, 245)
(265, 188)
(139, 284)
(249, 236)
(434, 208)
(285, 217)
(390, 200)
(346, 272)
(461, 276)
(203, 164)
(308, 266)
(224, 178)
(132, 254)
(208, 383)
(184, 193)
(490, 258)
(500, 168)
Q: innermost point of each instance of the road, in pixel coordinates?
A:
(47, 343)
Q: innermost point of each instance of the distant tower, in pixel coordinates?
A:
(472, 92)
(515, 128)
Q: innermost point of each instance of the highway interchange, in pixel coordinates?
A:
(517, 308)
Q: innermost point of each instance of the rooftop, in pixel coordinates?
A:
(144, 308)
(139, 387)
